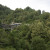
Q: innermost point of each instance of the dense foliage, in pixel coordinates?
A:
(32, 34)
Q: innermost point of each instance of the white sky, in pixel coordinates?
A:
(35, 4)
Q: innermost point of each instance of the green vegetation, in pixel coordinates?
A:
(35, 36)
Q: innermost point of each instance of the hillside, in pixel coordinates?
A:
(32, 34)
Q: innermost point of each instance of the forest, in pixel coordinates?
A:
(35, 36)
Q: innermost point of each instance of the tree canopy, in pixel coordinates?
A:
(32, 34)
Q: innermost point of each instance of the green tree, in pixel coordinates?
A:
(38, 43)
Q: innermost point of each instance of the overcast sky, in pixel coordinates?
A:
(35, 4)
